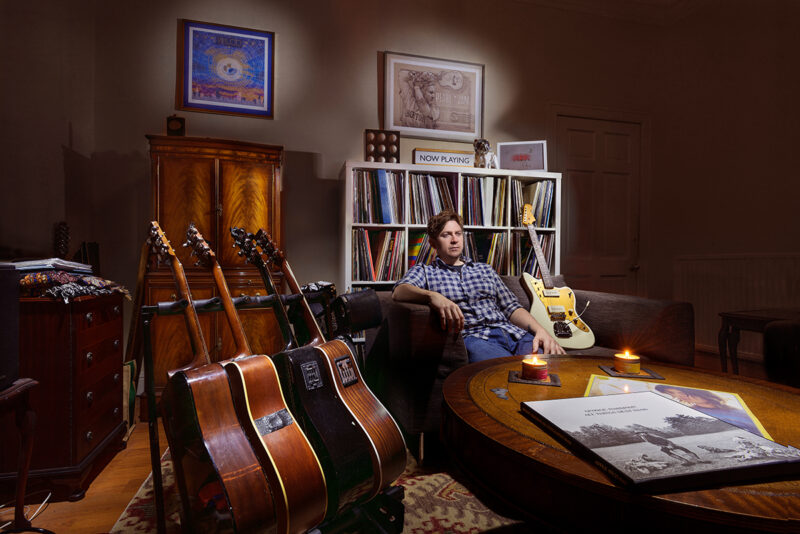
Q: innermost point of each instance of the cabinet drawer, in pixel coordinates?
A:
(93, 313)
(100, 377)
(92, 353)
(102, 418)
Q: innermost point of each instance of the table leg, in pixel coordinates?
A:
(733, 344)
(722, 341)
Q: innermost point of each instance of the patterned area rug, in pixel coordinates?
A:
(434, 503)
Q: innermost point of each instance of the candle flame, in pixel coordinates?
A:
(534, 360)
(627, 353)
(625, 388)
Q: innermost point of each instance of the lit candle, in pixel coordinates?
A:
(534, 369)
(627, 363)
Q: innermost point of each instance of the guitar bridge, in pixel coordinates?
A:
(557, 313)
(561, 329)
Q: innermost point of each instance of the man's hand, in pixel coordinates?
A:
(548, 344)
(541, 338)
(450, 314)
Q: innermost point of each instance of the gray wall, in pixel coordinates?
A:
(84, 81)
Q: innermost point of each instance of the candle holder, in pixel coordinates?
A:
(629, 365)
(534, 371)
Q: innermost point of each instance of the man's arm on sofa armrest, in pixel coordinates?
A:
(411, 332)
(658, 329)
(449, 314)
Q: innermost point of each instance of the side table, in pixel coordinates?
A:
(751, 320)
(16, 398)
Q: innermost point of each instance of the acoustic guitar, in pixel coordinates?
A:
(344, 446)
(220, 480)
(388, 446)
(553, 307)
(287, 458)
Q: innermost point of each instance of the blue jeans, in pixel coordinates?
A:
(499, 344)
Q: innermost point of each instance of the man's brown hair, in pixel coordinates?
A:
(437, 222)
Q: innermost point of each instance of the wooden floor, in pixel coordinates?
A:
(107, 496)
(111, 491)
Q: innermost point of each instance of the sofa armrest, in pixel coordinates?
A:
(407, 357)
(661, 330)
(415, 335)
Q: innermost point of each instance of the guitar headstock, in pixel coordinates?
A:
(248, 248)
(271, 250)
(159, 244)
(200, 247)
(527, 215)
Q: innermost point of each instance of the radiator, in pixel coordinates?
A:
(716, 283)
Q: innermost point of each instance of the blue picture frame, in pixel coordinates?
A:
(225, 69)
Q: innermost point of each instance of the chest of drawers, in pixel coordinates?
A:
(74, 351)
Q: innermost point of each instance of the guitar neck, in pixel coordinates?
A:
(308, 316)
(196, 339)
(544, 269)
(281, 315)
(239, 338)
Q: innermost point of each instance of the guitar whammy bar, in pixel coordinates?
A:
(354, 483)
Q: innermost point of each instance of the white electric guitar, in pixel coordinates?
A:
(553, 307)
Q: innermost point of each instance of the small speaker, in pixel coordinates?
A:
(176, 125)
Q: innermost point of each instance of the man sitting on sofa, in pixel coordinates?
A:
(470, 296)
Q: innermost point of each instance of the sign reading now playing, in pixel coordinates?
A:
(443, 157)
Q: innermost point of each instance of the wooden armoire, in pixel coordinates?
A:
(216, 184)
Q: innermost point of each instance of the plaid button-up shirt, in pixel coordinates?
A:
(476, 288)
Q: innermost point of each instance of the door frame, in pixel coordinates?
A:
(610, 114)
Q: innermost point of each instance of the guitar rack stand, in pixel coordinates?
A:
(384, 513)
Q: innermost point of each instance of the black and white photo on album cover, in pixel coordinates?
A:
(646, 437)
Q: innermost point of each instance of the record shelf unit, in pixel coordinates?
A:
(386, 208)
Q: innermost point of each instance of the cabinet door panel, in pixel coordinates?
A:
(186, 194)
(171, 347)
(248, 198)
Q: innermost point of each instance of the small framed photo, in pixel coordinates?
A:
(523, 155)
(225, 69)
(432, 98)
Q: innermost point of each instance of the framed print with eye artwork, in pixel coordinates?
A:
(225, 69)
(433, 98)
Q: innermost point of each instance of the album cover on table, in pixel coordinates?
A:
(655, 444)
(723, 405)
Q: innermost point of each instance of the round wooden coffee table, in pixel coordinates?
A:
(512, 459)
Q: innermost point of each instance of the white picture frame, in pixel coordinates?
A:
(523, 155)
(431, 98)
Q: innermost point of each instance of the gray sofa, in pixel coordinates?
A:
(408, 356)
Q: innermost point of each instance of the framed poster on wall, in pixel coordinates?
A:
(225, 69)
(433, 98)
